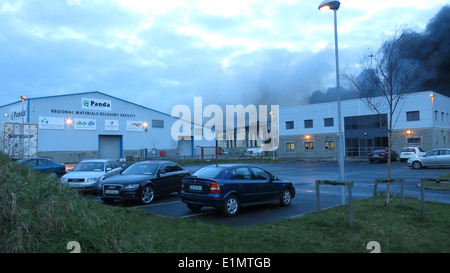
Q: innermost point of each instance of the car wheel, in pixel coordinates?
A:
(231, 206)
(194, 207)
(53, 174)
(147, 194)
(286, 198)
(416, 165)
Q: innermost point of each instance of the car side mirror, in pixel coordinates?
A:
(161, 172)
(108, 169)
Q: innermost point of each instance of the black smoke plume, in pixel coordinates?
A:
(432, 51)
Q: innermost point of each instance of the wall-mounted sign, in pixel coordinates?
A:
(16, 114)
(95, 104)
(134, 126)
(111, 125)
(85, 124)
(51, 123)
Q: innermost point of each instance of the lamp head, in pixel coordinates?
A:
(327, 5)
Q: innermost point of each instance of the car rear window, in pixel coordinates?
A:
(210, 172)
(407, 150)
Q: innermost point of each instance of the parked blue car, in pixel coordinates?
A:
(44, 165)
(232, 186)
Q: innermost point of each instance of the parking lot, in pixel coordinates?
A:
(304, 175)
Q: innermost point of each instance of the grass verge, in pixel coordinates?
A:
(37, 214)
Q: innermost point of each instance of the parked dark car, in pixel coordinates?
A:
(230, 187)
(44, 165)
(382, 155)
(143, 181)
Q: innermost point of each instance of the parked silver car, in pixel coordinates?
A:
(434, 158)
(88, 173)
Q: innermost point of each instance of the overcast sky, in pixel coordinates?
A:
(162, 53)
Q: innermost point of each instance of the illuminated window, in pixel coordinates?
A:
(290, 146)
(309, 145)
(329, 144)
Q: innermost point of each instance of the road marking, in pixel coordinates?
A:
(193, 215)
(158, 204)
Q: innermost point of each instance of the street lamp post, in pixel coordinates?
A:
(22, 129)
(334, 5)
(433, 115)
(272, 137)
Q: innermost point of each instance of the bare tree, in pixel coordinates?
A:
(387, 77)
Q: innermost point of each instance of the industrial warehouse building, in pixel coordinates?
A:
(311, 131)
(96, 125)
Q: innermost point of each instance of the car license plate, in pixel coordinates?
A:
(195, 187)
(111, 192)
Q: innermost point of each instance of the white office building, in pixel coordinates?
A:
(311, 131)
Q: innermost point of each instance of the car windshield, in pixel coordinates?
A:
(210, 172)
(90, 167)
(147, 169)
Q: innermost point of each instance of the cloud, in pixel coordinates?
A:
(163, 53)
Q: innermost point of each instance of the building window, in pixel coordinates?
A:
(290, 146)
(329, 144)
(156, 123)
(413, 116)
(413, 140)
(328, 122)
(308, 123)
(289, 125)
(309, 145)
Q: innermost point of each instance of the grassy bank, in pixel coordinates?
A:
(40, 215)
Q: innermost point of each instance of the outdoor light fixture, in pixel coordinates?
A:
(334, 5)
(327, 5)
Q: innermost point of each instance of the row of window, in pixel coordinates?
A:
(309, 145)
(329, 144)
(415, 116)
(309, 123)
(410, 116)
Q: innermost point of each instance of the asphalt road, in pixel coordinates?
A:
(304, 175)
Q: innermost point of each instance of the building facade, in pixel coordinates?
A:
(96, 125)
(311, 131)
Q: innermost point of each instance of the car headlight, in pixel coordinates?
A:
(131, 187)
(64, 179)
